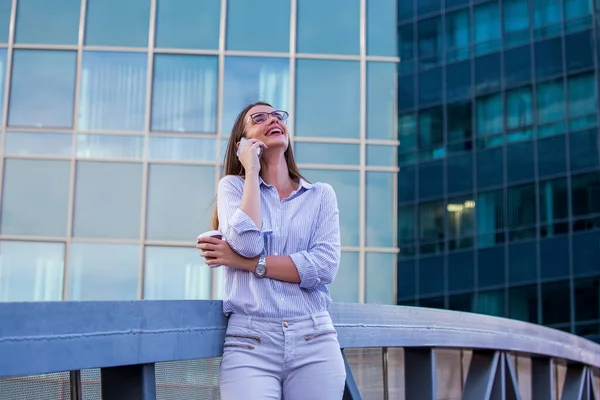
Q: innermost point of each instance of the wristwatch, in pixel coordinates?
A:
(260, 270)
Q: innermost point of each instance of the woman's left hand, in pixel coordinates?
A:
(218, 252)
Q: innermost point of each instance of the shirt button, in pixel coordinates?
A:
(285, 324)
(276, 253)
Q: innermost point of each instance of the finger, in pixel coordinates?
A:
(212, 261)
(209, 240)
(206, 246)
(259, 144)
(208, 254)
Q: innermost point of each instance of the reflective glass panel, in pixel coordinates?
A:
(48, 22)
(519, 113)
(486, 31)
(582, 101)
(407, 235)
(584, 147)
(381, 28)
(320, 110)
(318, 32)
(103, 272)
(35, 198)
(31, 271)
(182, 149)
(251, 79)
(110, 146)
(42, 97)
(345, 286)
(490, 217)
(379, 278)
(431, 41)
(244, 32)
(431, 227)
(176, 273)
(550, 101)
(180, 201)
(383, 156)
(489, 115)
(184, 96)
(113, 91)
(380, 209)
(38, 143)
(346, 187)
(327, 153)
(381, 100)
(548, 58)
(458, 30)
(5, 8)
(430, 270)
(108, 200)
(515, 14)
(188, 24)
(117, 23)
(2, 73)
(406, 279)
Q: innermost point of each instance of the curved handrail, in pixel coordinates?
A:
(48, 337)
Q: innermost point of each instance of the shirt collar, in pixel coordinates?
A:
(303, 184)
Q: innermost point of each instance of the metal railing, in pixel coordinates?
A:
(171, 349)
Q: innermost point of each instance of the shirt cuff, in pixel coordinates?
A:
(242, 223)
(307, 271)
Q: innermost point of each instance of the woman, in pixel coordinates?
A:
(281, 246)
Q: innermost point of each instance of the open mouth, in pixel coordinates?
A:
(275, 131)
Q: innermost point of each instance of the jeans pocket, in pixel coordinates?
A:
(241, 340)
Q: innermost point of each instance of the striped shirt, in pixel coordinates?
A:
(304, 226)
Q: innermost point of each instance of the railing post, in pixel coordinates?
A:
(75, 385)
(129, 382)
(351, 391)
(420, 373)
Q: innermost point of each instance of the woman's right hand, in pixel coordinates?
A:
(249, 155)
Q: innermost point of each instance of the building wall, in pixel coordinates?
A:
(499, 183)
(115, 116)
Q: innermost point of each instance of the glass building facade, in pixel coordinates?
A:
(499, 182)
(114, 119)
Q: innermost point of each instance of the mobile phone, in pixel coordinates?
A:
(244, 139)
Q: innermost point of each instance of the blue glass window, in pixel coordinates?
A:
(327, 153)
(407, 132)
(520, 162)
(381, 155)
(489, 115)
(490, 168)
(586, 254)
(113, 91)
(431, 228)
(428, 6)
(406, 10)
(430, 86)
(547, 14)
(552, 156)
(406, 91)
(188, 24)
(579, 51)
(522, 263)
(379, 225)
(381, 100)
(431, 42)
(582, 101)
(554, 257)
(117, 23)
(39, 143)
(551, 107)
(48, 22)
(406, 43)
(406, 279)
(346, 284)
(249, 79)
(585, 189)
(42, 97)
(2, 76)
(459, 174)
(381, 28)
(516, 22)
(577, 8)
(318, 32)
(459, 122)
(110, 146)
(487, 27)
(554, 207)
(458, 31)
(491, 272)
(519, 113)
(406, 184)
(318, 101)
(431, 179)
(490, 218)
(517, 66)
(458, 80)
(461, 271)
(556, 303)
(182, 148)
(244, 33)
(521, 211)
(407, 234)
(5, 9)
(430, 270)
(460, 214)
(584, 149)
(184, 97)
(487, 73)
(548, 58)
(431, 132)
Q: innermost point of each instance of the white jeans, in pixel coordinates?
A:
(299, 358)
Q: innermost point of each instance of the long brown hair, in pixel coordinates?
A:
(232, 164)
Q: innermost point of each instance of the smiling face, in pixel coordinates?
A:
(267, 125)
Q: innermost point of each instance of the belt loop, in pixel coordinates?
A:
(315, 322)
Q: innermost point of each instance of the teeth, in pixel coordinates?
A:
(276, 130)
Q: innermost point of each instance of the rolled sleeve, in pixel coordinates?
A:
(320, 263)
(240, 232)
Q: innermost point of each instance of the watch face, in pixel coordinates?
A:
(260, 269)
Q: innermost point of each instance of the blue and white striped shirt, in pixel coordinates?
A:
(304, 226)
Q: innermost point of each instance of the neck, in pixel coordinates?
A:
(274, 171)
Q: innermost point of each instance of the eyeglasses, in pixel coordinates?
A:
(262, 117)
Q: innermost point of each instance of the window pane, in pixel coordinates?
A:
(431, 227)
(548, 58)
(380, 225)
(345, 286)
(459, 122)
(184, 96)
(489, 115)
(554, 257)
(406, 279)
(458, 30)
(491, 303)
(552, 156)
(318, 101)
(490, 218)
(379, 280)
(108, 200)
(587, 299)
(461, 271)
(406, 10)
(188, 24)
(461, 222)
(490, 168)
(459, 174)
(319, 33)
(103, 272)
(431, 42)
(110, 146)
(521, 207)
(407, 132)
(244, 33)
(516, 22)
(5, 8)
(550, 101)
(406, 184)
(249, 79)
(178, 210)
(522, 263)
(327, 153)
(556, 302)
(42, 97)
(431, 179)
(176, 273)
(579, 50)
(577, 8)
(546, 13)
(517, 65)
(44, 22)
(582, 101)
(554, 206)
(406, 41)
(31, 271)
(407, 234)
(406, 91)
(491, 267)
(182, 149)
(117, 23)
(585, 194)
(430, 270)
(384, 156)
(523, 303)
(38, 143)
(113, 91)
(487, 27)
(25, 183)
(381, 28)
(458, 81)
(431, 132)
(586, 253)
(381, 100)
(346, 186)
(520, 162)
(584, 147)
(428, 6)
(487, 73)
